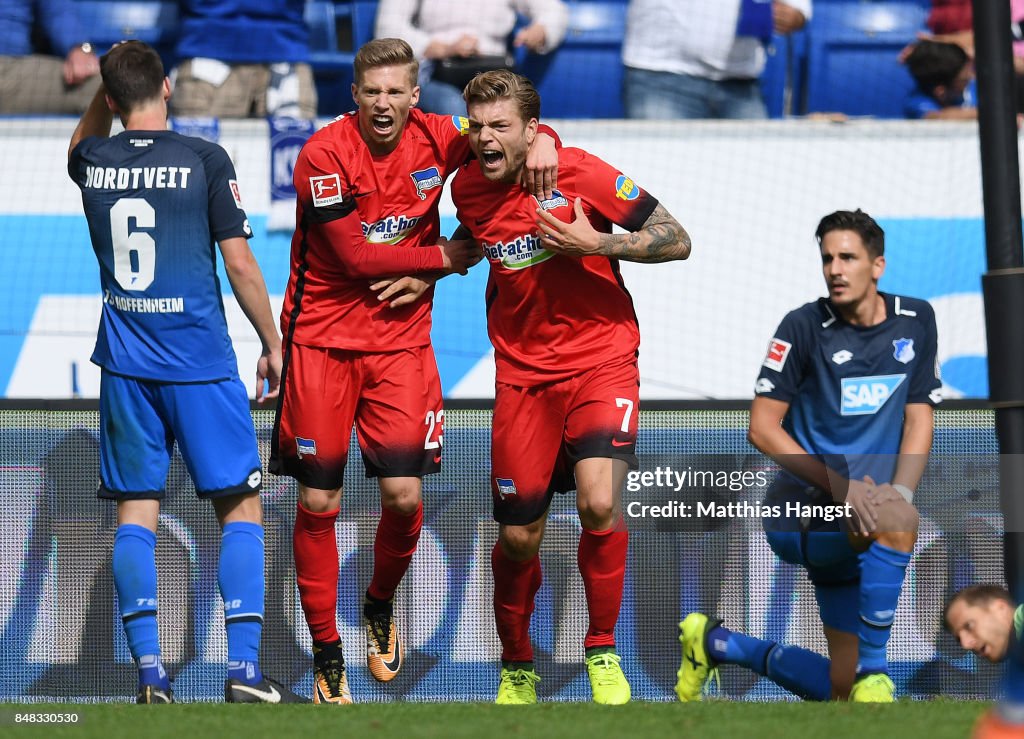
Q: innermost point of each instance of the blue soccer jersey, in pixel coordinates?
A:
(847, 385)
(156, 202)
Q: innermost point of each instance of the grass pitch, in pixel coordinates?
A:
(903, 720)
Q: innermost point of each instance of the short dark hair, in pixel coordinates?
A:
(860, 223)
(498, 84)
(385, 52)
(977, 595)
(132, 74)
(935, 63)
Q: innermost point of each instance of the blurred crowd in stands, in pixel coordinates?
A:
(650, 59)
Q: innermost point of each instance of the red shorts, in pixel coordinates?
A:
(540, 433)
(394, 399)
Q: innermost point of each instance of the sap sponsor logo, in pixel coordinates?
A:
(520, 253)
(506, 487)
(461, 124)
(763, 385)
(775, 358)
(132, 178)
(326, 190)
(625, 188)
(145, 602)
(426, 179)
(864, 396)
(255, 479)
(903, 350)
(842, 356)
(935, 396)
(232, 604)
(305, 447)
(557, 200)
(390, 230)
(235, 193)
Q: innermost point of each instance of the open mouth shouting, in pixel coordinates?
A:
(383, 125)
(493, 160)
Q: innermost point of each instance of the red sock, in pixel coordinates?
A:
(393, 548)
(602, 561)
(316, 571)
(515, 586)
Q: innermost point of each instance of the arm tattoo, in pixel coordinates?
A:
(660, 239)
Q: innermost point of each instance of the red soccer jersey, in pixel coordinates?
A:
(328, 302)
(552, 316)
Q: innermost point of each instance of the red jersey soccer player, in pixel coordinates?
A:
(565, 342)
(350, 358)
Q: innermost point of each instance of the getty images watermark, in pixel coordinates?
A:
(714, 494)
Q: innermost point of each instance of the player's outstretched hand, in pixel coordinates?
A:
(460, 255)
(540, 175)
(859, 495)
(399, 291)
(268, 374)
(578, 239)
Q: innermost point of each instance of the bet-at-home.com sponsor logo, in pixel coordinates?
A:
(390, 230)
(520, 253)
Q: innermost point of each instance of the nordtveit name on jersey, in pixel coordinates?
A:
(144, 305)
(124, 178)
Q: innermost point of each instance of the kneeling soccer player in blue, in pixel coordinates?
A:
(156, 202)
(844, 398)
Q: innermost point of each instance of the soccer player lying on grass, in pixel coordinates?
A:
(844, 398)
(565, 340)
(985, 620)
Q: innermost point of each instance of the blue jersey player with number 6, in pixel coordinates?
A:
(843, 404)
(156, 202)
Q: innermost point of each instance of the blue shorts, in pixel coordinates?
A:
(833, 567)
(141, 420)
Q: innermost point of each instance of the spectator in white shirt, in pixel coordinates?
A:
(700, 59)
(454, 41)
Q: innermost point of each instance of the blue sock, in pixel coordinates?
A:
(881, 578)
(134, 565)
(240, 576)
(734, 648)
(151, 672)
(245, 670)
(800, 671)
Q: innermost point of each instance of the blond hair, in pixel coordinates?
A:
(385, 52)
(499, 84)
